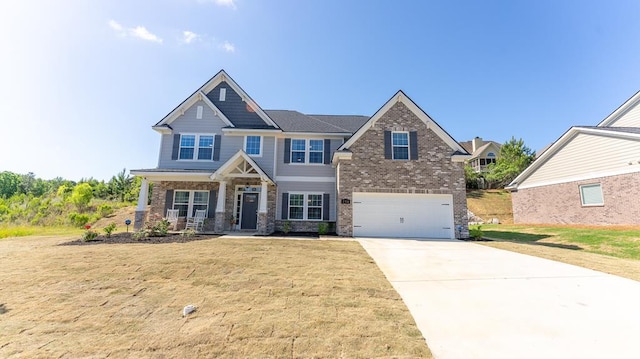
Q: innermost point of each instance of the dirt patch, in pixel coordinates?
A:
(118, 217)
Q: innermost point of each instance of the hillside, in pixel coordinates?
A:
(488, 204)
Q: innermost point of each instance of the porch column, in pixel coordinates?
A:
(141, 209)
(220, 220)
(263, 198)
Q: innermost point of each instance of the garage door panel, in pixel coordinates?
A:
(402, 215)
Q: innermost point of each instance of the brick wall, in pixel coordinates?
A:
(561, 204)
(368, 170)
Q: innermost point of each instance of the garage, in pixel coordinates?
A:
(403, 215)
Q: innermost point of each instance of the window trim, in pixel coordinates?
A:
(261, 145)
(190, 203)
(408, 145)
(307, 151)
(580, 189)
(305, 206)
(196, 147)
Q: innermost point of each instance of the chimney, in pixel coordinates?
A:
(476, 143)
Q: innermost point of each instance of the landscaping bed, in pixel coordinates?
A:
(128, 237)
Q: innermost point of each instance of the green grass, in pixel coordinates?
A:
(613, 241)
(23, 231)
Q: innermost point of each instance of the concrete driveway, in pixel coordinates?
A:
(472, 301)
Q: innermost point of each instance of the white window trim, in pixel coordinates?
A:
(307, 151)
(261, 145)
(305, 206)
(197, 147)
(191, 198)
(582, 195)
(223, 94)
(393, 157)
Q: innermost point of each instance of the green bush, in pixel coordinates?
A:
(286, 227)
(476, 233)
(89, 235)
(109, 229)
(323, 228)
(78, 219)
(105, 210)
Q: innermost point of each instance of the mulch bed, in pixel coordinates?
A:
(127, 237)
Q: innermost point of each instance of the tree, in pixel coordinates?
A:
(81, 196)
(121, 184)
(515, 156)
(9, 184)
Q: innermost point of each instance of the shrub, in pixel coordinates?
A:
(105, 210)
(188, 233)
(109, 229)
(89, 235)
(78, 219)
(323, 228)
(155, 227)
(286, 227)
(476, 233)
(81, 196)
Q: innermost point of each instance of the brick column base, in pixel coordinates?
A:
(219, 222)
(138, 221)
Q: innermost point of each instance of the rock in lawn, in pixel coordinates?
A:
(188, 310)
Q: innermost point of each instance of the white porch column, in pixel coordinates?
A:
(263, 198)
(143, 196)
(222, 195)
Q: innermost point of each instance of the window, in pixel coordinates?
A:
(400, 144)
(253, 145)
(307, 151)
(190, 151)
(305, 206)
(223, 94)
(591, 195)
(187, 202)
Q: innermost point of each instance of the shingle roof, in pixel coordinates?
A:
(294, 121)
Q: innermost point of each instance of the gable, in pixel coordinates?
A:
(583, 154)
(241, 113)
(420, 115)
(627, 115)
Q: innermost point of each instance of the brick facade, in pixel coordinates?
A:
(369, 171)
(561, 203)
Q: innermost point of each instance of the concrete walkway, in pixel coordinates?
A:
(472, 301)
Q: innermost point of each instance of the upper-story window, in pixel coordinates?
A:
(253, 145)
(307, 151)
(400, 144)
(196, 147)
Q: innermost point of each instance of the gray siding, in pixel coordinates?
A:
(586, 156)
(311, 170)
(322, 187)
(235, 108)
(266, 161)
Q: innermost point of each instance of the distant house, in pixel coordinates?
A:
(483, 153)
(396, 173)
(590, 175)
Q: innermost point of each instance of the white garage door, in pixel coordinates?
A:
(403, 215)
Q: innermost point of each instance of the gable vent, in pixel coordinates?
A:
(223, 94)
(199, 113)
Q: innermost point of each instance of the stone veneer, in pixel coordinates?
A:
(561, 203)
(369, 171)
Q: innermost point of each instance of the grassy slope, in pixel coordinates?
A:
(488, 204)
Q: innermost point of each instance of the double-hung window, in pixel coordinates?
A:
(196, 147)
(253, 145)
(400, 145)
(187, 202)
(307, 151)
(305, 206)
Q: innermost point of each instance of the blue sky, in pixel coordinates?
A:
(81, 82)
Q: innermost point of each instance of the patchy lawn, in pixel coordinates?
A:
(614, 250)
(491, 203)
(259, 297)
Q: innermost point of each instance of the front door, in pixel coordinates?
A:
(249, 218)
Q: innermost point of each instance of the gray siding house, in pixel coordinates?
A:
(396, 173)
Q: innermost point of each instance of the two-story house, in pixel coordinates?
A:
(396, 173)
(483, 153)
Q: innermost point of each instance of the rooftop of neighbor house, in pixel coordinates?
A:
(477, 146)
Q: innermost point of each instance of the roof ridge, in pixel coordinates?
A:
(327, 123)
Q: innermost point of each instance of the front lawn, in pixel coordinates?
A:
(255, 298)
(614, 250)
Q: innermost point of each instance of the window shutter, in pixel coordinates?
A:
(325, 207)
(327, 152)
(387, 145)
(287, 150)
(216, 147)
(176, 146)
(285, 206)
(212, 204)
(168, 203)
(413, 145)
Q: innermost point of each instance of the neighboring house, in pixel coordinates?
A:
(483, 153)
(590, 175)
(397, 173)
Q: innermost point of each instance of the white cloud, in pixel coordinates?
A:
(139, 32)
(227, 3)
(228, 47)
(189, 37)
(142, 33)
